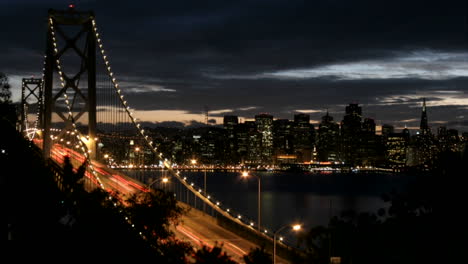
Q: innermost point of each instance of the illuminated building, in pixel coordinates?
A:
(303, 137)
(248, 140)
(423, 149)
(264, 123)
(282, 140)
(448, 139)
(396, 146)
(230, 122)
(371, 148)
(327, 139)
(424, 126)
(387, 129)
(351, 135)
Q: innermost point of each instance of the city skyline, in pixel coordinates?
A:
(432, 127)
(278, 57)
(141, 127)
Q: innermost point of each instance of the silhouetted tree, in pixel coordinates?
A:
(212, 255)
(7, 109)
(155, 211)
(258, 256)
(33, 201)
(422, 223)
(317, 244)
(70, 221)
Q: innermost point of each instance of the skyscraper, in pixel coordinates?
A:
(423, 149)
(369, 143)
(230, 122)
(282, 136)
(303, 137)
(351, 135)
(396, 146)
(387, 129)
(283, 147)
(327, 139)
(264, 123)
(424, 127)
(447, 139)
(248, 142)
(302, 119)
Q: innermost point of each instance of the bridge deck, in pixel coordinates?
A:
(195, 226)
(200, 228)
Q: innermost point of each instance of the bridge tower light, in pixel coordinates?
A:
(83, 46)
(31, 94)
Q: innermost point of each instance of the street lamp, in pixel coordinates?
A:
(245, 174)
(194, 161)
(165, 180)
(294, 228)
(137, 158)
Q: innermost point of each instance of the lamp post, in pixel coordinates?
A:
(137, 156)
(164, 180)
(204, 187)
(204, 179)
(194, 161)
(294, 227)
(245, 174)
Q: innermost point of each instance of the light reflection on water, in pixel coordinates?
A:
(310, 199)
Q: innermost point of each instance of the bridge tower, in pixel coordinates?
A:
(70, 38)
(31, 94)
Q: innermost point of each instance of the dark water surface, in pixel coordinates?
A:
(286, 197)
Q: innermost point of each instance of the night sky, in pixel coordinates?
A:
(280, 57)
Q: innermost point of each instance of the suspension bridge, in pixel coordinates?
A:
(79, 109)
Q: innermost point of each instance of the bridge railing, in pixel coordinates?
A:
(228, 218)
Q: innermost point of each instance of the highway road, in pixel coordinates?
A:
(200, 229)
(194, 227)
(116, 183)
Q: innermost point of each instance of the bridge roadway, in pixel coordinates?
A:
(200, 228)
(195, 226)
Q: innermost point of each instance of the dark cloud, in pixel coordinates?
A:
(167, 53)
(460, 123)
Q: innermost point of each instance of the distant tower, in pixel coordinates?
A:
(206, 115)
(424, 127)
(327, 118)
(31, 95)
